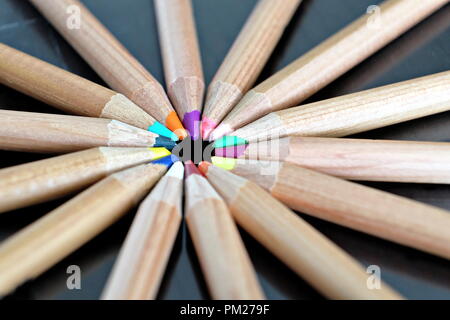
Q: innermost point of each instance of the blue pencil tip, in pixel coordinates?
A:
(165, 143)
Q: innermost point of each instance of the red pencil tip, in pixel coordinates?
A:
(203, 166)
(190, 168)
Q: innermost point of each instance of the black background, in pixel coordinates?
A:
(423, 50)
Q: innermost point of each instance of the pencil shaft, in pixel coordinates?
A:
(223, 258)
(358, 112)
(40, 132)
(181, 57)
(66, 91)
(140, 267)
(310, 254)
(246, 58)
(356, 159)
(330, 59)
(45, 242)
(355, 206)
(109, 58)
(44, 180)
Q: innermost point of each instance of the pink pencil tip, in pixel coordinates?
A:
(231, 152)
(207, 127)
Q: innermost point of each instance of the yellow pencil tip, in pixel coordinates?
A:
(224, 163)
(159, 153)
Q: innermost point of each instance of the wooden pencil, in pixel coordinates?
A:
(47, 179)
(138, 271)
(355, 206)
(329, 60)
(246, 59)
(353, 113)
(182, 62)
(321, 263)
(223, 258)
(111, 60)
(69, 92)
(54, 133)
(36, 248)
(355, 159)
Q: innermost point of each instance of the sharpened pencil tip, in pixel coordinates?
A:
(190, 169)
(167, 161)
(229, 141)
(231, 152)
(224, 163)
(207, 126)
(203, 167)
(165, 143)
(191, 122)
(176, 171)
(160, 129)
(159, 152)
(220, 131)
(174, 124)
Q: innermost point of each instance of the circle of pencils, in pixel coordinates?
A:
(271, 157)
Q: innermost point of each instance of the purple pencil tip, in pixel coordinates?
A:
(191, 122)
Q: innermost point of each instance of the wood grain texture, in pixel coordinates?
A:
(45, 242)
(181, 54)
(355, 206)
(140, 267)
(107, 56)
(248, 55)
(311, 255)
(332, 58)
(224, 261)
(66, 91)
(357, 112)
(54, 133)
(44, 180)
(360, 159)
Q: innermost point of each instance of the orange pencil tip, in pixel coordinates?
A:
(203, 166)
(175, 125)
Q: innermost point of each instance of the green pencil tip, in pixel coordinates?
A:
(229, 141)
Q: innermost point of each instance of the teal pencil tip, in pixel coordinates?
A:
(229, 141)
(162, 130)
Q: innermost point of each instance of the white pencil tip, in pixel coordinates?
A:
(176, 171)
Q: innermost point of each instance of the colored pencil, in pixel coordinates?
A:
(355, 159)
(36, 248)
(47, 179)
(69, 92)
(321, 263)
(54, 133)
(246, 59)
(353, 113)
(111, 60)
(139, 269)
(224, 261)
(182, 62)
(355, 206)
(329, 60)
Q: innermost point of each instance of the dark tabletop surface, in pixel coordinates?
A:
(423, 50)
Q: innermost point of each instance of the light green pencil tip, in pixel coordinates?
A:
(229, 141)
(224, 163)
